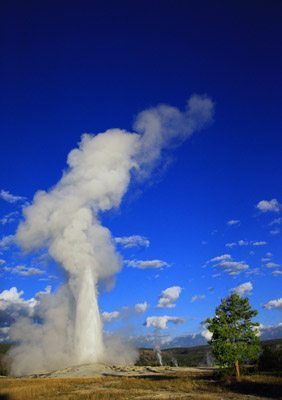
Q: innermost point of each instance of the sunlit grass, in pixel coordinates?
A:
(168, 386)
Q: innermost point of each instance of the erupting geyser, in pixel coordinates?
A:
(65, 221)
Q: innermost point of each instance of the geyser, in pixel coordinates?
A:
(65, 221)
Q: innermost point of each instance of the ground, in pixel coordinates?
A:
(143, 383)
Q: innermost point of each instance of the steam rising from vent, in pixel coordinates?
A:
(65, 220)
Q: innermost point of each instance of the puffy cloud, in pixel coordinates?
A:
(198, 297)
(233, 222)
(109, 316)
(244, 288)
(206, 334)
(10, 198)
(161, 322)
(270, 331)
(169, 296)
(273, 304)
(132, 241)
(13, 306)
(269, 206)
(145, 264)
(141, 307)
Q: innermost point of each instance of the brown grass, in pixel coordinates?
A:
(171, 386)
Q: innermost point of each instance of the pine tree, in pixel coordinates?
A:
(235, 337)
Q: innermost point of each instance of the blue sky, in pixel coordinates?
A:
(67, 69)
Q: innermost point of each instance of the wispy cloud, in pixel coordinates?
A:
(224, 257)
(198, 297)
(10, 198)
(269, 206)
(6, 241)
(146, 264)
(23, 270)
(276, 221)
(169, 296)
(243, 242)
(233, 222)
(228, 265)
(9, 218)
(260, 243)
(240, 242)
(271, 264)
(132, 241)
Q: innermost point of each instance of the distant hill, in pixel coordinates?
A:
(202, 356)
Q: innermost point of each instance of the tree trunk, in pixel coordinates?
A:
(237, 370)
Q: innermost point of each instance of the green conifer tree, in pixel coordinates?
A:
(235, 337)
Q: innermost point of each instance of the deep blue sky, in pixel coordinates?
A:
(73, 67)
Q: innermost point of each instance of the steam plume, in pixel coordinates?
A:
(65, 220)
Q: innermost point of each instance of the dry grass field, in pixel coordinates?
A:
(178, 385)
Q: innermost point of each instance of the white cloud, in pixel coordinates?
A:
(273, 304)
(22, 270)
(269, 206)
(228, 265)
(141, 307)
(234, 267)
(161, 322)
(275, 231)
(240, 242)
(109, 316)
(244, 288)
(8, 218)
(276, 221)
(233, 222)
(276, 272)
(144, 264)
(10, 198)
(221, 258)
(6, 241)
(132, 241)
(272, 265)
(261, 243)
(13, 306)
(198, 297)
(206, 334)
(245, 243)
(169, 296)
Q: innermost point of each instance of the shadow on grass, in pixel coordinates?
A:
(271, 390)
